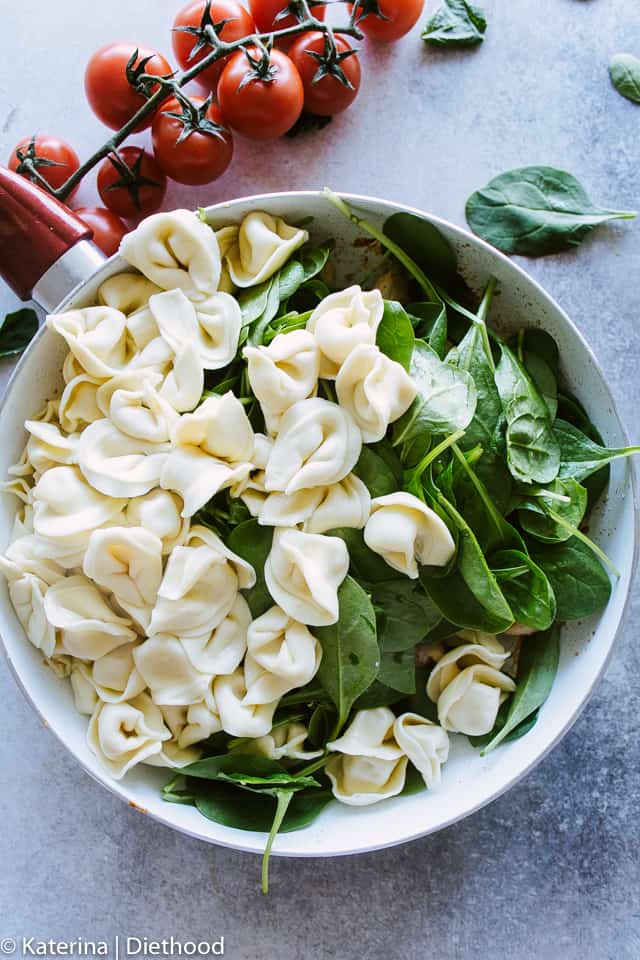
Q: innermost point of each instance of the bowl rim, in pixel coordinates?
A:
(383, 205)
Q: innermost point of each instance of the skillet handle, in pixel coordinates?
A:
(36, 233)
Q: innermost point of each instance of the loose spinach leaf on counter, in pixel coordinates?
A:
(445, 402)
(457, 23)
(525, 587)
(537, 667)
(580, 456)
(624, 70)
(580, 583)
(17, 330)
(253, 543)
(535, 211)
(350, 654)
(533, 453)
(395, 335)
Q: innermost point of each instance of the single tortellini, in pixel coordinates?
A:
(89, 628)
(256, 249)
(318, 444)
(341, 322)
(159, 512)
(97, 338)
(405, 532)
(285, 742)
(27, 593)
(127, 292)
(283, 373)
(114, 678)
(133, 405)
(168, 673)
(237, 717)
(117, 465)
(199, 587)
(48, 446)
(303, 573)
(175, 250)
(211, 325)
(212, 450)
(343, 504)
(281, 654)
(128, 562)
(124, 734)
(190, 724)
(184, 383)
(221, 651)
(469, 686)
(24, 555)
(369, 766)
(78, 404)
(425, 744)
(374, 389)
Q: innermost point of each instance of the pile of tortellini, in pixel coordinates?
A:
(141, 607)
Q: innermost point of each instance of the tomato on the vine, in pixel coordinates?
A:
(387, 19)
(271, 15)
(112, 79)
(108, 230)
(190, 141)
(53, 159)
(330, 73)
(131, 183)
(189, 42)
(261, 95)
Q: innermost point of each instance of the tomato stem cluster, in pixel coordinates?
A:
(171, 85)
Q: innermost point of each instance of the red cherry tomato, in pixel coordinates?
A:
(398, 17)
(266, 14)
(108, 230)
(329, 94)
(193, 17)
(132, 186)
(54, 159)
(191, 144)
(261, 106)
(108, 82)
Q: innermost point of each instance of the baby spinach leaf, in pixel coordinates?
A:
(535, 211)
(537, 667)
(457, 23)
(580, 456)
(446, 399)
(525, 587)
(474, 502)
(395, 335)
(533, 453)
(624, 70)
(364, 564)
(225, 804)
(405, 614)
(378, 695)
(350, 654)
(429, 321)
(17, 330)
(253, 543)
(580, 583)
(321, 723)
(424, 243)
(518, 731)
(379, 474)
(534, 518)
(571, 410)
(398, 670)
(238, 764)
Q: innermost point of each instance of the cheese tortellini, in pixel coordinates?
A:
(341, 322)
(256, 249)
(303, 572)
(369, 766)
(374, 389)
(405, 532)
(281, 654)
(123, 734)
(211, 325)
(283, 373)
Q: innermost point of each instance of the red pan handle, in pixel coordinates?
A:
(35, 231)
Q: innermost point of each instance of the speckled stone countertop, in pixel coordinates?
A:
(550, 869)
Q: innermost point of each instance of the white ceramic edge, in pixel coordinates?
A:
(118, 788)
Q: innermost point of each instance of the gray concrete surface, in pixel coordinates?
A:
(549, 870)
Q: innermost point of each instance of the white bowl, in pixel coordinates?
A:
(469, 781)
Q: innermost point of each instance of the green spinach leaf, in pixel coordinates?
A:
(350, 654)
(395, 335)
(398, 670)
(580, 456)
(253, 543)
(535, 520)
(17, 330)
(535, 211)
(537, 667)
(405, 614)
(425, 245)
(624, 70)
(379, 469)
(525, 587)
(457, 23)
(580, 583)
(429, 321)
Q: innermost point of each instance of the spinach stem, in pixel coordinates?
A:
(312, 767)
(481, 319)
(284, 799)
(480, 488)
(435, 452)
